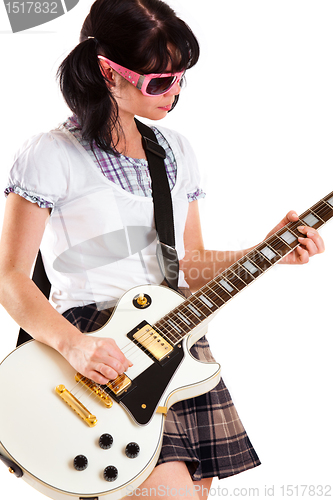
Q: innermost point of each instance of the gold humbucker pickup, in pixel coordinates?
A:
(119, 384)
(96, 389)
(153, 342)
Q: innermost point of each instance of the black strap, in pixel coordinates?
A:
(41, 280)
(163, 212)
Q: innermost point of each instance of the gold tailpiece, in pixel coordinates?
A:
(75, 404)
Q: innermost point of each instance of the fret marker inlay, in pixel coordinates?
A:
(250, 267)
(174, 326)
(330, 201)
(310, 220)
(206, 301)
(267, 252)
(288, 237)
(226, 285)
(193, 309)
(184, 319)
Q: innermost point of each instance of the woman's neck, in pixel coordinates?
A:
(130, 142)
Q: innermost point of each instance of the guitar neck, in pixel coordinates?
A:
(215, 294)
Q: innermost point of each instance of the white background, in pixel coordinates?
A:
(258, 110)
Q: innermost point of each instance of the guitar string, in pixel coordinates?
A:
(167, 327)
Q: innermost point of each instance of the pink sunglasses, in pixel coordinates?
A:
(150, 85)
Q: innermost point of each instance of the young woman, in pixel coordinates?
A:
(89, 179)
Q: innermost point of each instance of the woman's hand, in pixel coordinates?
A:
(311, 244)
(99, 359)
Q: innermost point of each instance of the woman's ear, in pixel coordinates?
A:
(107, 71)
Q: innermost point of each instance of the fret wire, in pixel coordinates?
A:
(231, 283)
(317, 215)
(322, 210)
(255, 262)
(224, 289)
(164, 332)
(195, 298)
(292, 229)
(212, 296)
(280, 244)
(175, 334)
(239, 278)
(328, 204)
(239, 268)
(264, 262)
(194, 318)
(257, 270)
(242, 272)
(164, 329)
(323, 200)
(209, 310)
(255, 277)
(227, 296)
(285, 243)
(183, 313)
(182, 323)
(208, 292)
(272, 248)
(235, 281)
(265, 258)
(178, 321)
(175, 327)
(216, 293)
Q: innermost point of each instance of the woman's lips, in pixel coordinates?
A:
(166, 108)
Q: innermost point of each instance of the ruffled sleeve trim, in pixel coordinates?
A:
(196, 195)
(41, 202)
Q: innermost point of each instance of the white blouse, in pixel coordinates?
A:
(100, 240)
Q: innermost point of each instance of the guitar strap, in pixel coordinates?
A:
(166, 252)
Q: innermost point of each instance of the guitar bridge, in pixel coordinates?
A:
(96, 389)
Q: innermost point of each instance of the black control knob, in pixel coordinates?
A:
(132, 450)
(110, 473)
(105, 441)
(80, 462)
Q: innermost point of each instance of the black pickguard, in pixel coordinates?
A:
(142, 398)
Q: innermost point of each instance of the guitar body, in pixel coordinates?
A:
(155, 328)
(42, 434)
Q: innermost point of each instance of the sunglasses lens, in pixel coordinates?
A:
(158, 86)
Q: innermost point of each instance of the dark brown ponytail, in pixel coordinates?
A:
(142, 35)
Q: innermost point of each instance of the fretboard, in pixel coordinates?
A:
(215, 294)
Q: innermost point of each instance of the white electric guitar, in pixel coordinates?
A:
(69, 437)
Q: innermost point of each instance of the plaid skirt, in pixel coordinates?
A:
(205, 432)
